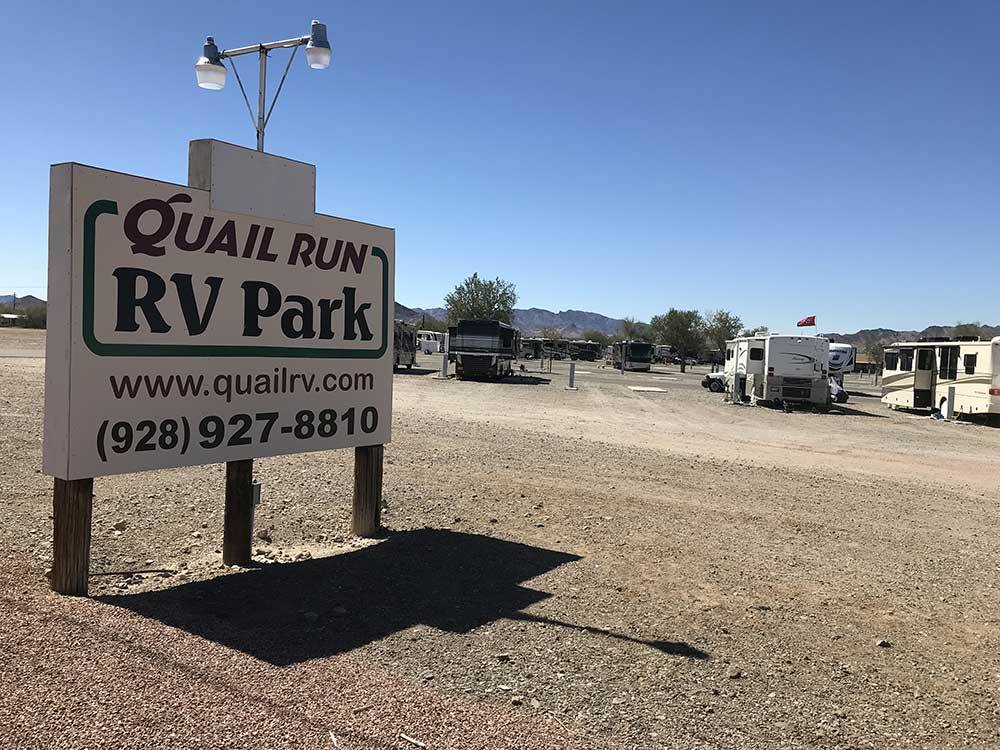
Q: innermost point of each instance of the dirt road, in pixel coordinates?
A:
(603, 566)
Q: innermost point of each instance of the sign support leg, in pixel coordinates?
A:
(238, 521)
(366, 515)
(72, 505)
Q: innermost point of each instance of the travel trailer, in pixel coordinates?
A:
(404, 345)
(430, 342)
(920, 374)
(637, 355)
(778, 369)
(842, 360)
(483, 348)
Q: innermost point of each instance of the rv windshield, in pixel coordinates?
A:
(639, 351)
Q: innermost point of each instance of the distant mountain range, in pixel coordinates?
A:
(570, 323)
(23, 303)
(887, 335)
(573, 323)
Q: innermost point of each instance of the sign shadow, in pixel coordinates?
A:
(292, 612)
(289, 613)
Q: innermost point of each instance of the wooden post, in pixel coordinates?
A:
(238, 520)
(366, 516)
(72, 505)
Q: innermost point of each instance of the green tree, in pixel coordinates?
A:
(644, 332)
(550, 333)
(630, 329)
(720, 327)
(430, 323)
(683, 330)
(35, 317)
(758, 331)
(967, 329)
(874, 349)
(482, 298)
(598, 336)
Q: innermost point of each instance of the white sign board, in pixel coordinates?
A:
(182, 335)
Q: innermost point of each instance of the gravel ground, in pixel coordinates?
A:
(598, 568)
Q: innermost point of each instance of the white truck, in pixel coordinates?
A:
(778, 370)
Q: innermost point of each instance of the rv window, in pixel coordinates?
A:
(729, 353)
(925, 360)
(891, 360)
(970, 364)
(757, 354)
(949, 363)
(905, 360)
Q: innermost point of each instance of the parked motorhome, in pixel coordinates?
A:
(404, 345)
(778, 369)
(483, 348)
(532, 348)
(637, 355)
(588, 351)
(663, 354)
(555, 348)
(430, 342)
(842, 360)
(919, 375)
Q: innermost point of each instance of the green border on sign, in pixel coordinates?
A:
(97, 208)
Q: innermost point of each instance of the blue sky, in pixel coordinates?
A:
(780, 160)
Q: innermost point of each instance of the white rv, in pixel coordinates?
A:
(842, 360)
(430, 342)
(776, 369)
(919, 374)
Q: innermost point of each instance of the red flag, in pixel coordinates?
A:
(810, 321)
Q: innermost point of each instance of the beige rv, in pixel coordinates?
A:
(919, 374)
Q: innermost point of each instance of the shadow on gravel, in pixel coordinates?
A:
(672, 648)
(849, 412)
(412, 371)
(292, 612)
(521, 379)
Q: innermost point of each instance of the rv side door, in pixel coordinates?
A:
(923, 378)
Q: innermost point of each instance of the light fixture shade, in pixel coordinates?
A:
(210, 75)
(318, 57)
(209, 70)
(318, 50)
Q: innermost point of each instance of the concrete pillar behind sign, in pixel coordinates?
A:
(72, 505)
(366, 515)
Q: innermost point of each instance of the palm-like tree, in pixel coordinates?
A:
(630, 329)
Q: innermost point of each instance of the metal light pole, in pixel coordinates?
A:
(211, 71)
(241, 491)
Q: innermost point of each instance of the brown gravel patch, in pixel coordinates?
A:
(81, 673)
